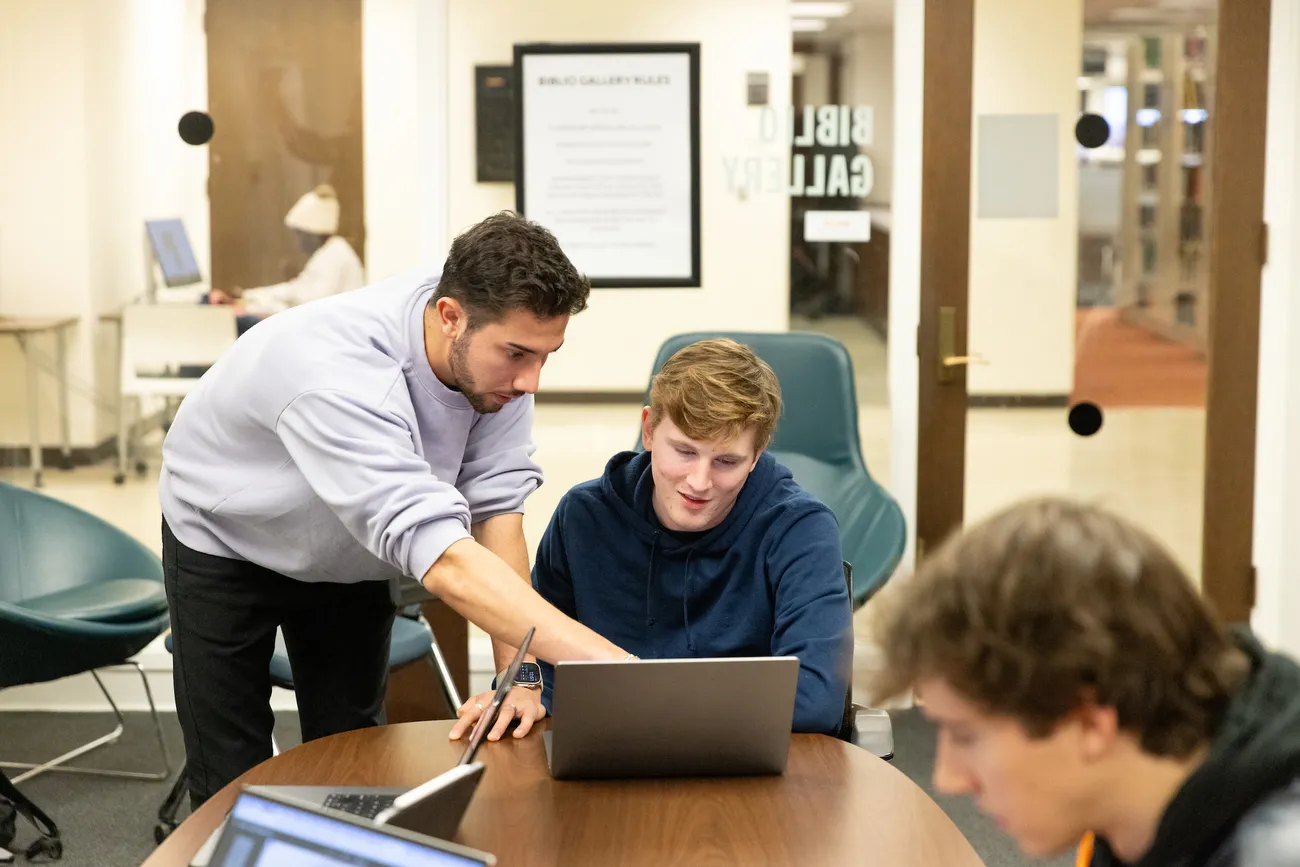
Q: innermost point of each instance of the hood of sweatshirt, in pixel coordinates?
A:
(1255, 752)
(628, 486)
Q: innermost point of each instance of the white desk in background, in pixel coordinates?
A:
(23, 329)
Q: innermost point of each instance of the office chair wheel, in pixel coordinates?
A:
(162, 831)
(141, 468)
(119, 478)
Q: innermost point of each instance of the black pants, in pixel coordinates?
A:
(224, 615)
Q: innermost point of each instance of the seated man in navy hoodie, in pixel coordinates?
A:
(704, 545)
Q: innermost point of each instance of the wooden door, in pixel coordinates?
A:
(284, 92)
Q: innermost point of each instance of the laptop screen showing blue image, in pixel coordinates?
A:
(171, 248)
(261, 832)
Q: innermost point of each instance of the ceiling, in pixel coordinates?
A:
(1108, 15)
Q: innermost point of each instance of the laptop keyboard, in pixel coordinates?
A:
(366, 806)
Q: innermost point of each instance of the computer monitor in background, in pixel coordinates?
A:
(172, 251)
(263, 830)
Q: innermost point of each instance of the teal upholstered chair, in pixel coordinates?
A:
(817, 438)
(76, 595)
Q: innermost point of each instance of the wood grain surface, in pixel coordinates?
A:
(836, 805)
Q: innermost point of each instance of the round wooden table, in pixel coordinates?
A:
(835, 805)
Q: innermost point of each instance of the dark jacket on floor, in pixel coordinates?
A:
(1241, 808)
(767, 581)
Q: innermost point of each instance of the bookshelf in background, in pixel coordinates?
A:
(1166, 191)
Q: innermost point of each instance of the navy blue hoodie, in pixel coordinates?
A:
(767, 581)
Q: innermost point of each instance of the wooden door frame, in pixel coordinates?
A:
(1237, 244)
(946, 118)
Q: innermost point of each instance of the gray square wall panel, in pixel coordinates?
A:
(1019, 166)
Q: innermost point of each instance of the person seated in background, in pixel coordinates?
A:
(1083, 690)
(703, 545)
(332, 265)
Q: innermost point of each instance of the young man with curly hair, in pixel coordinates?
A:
(1083, 690)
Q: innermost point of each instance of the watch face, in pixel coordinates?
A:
(530, 674)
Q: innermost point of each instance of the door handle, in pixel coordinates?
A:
(948, 357)
(958, 360)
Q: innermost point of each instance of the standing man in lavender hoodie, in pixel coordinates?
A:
(381, 432)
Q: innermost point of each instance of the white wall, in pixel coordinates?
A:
(744, 237)
(905, 260)
(88, 151)
(45, 218)
(404, 77)
(1277, 455)
(1023, 271)
(868, 79)
(148, 69)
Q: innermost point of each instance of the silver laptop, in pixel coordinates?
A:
(672, 717)
(265, 830)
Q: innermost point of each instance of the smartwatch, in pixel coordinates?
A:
(529, 676)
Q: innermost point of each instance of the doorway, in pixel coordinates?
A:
(842, 65)
(284, 93)
(1142, 397)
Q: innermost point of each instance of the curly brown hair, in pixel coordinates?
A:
(715, 389)
(1050, 603)
(509, 263)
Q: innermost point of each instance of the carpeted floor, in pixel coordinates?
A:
(104, 822)
(1117, 364)
(109, 823)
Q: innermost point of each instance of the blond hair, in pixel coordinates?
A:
(715, 390)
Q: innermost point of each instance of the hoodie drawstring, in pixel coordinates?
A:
(649, 578)
(686, 614)
(649, 582)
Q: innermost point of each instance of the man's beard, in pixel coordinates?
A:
(465, 381)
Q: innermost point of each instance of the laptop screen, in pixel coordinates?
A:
(265, 833)
(172, 250)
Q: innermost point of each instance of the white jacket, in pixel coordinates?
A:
(332, 269)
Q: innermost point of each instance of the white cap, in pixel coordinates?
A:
(316, 212)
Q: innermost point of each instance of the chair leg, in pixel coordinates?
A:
(170, 808)
(444, 677)
(57, 764)
(124, 404)
(167, 812)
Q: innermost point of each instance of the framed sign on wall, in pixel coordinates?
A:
(607, 157)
